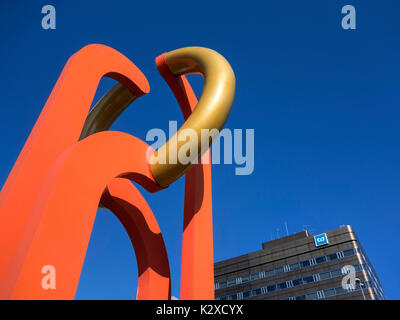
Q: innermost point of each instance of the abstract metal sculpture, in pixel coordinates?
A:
(70, 164)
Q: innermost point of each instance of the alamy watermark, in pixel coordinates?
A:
(49, 279)
(233, 150)
(49, 18)
(350, 282)
(349, 20)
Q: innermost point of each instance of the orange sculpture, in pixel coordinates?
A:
(70, 164)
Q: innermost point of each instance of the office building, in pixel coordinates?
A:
(301, 267)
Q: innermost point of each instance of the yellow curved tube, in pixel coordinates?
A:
(211, 111)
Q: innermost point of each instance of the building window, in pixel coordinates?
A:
(286, 268)
(297, 282)
(302, 297)
(305, 263)
(358, 267)
(282, 285)
(246, 294)
(329, 293)
(295, 266)
(279, 270)
(349, 252)
(254, 276)
(336, 273)
(308, 279)
(320, 260)
(340, 290)
(231, 283)
(271, 288)
(311, 296)
(332, 257)
(269, 273)
(325, 275)
(245, 278)
(257, 292)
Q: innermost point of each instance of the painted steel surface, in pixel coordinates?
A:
(70, 164)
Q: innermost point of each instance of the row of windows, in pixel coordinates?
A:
(286, 268)
(376, 286)
(289, 284)
(330, 292)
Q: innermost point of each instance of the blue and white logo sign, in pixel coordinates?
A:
(321, 239)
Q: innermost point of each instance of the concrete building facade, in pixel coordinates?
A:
(301, 267)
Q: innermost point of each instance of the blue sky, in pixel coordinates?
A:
(324, 103)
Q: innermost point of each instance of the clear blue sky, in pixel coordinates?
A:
(324, 103)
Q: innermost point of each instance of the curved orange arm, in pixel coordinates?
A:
(60, 224)
(126, 202)
(58, 127)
